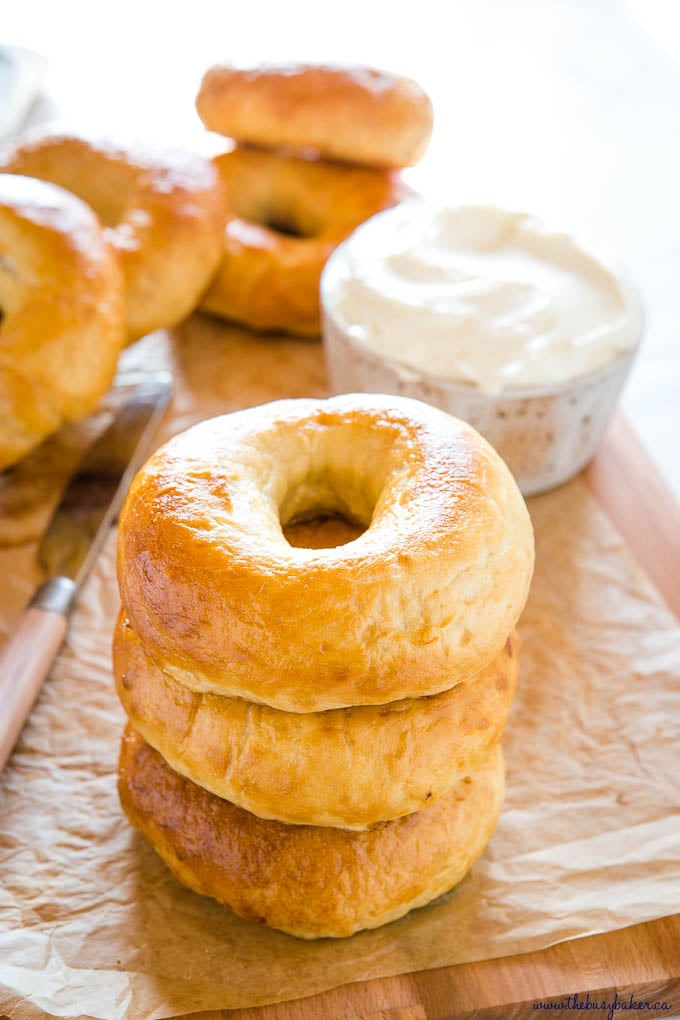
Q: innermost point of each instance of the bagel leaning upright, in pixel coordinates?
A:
(163, 212)
(61, 300)
(287, 215)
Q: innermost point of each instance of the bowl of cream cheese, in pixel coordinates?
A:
(492, 316)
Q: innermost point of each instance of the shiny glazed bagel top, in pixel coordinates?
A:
(424, 598)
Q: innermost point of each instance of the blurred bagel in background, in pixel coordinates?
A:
(61, 312)
(163, 212)
(346, 112)
(287, 215)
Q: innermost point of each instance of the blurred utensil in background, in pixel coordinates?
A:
(22, 74)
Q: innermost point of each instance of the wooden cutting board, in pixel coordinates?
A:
(643, 960)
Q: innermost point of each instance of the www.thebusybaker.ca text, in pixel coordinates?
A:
(607, 1006)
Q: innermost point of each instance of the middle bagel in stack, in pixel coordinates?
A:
(347, 767)
(335, 688)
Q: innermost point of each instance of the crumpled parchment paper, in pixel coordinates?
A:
(92, 923)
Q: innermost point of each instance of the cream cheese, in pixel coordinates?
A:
(480, 295)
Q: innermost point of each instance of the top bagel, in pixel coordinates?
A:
(162, 210)
(350, 113)
(423, 599)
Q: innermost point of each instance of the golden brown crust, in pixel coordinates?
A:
(311, 882)
(347, 768)
(267, 279)
(62, 316)
(351, 113)
(423, 599)
(164, 213)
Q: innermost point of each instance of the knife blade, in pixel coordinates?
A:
(69, 547)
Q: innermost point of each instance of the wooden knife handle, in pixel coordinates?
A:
(27, 657)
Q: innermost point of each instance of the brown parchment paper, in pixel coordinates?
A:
(91, 922)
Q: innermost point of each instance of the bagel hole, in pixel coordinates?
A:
(286, 227)
(325, 510)
(330, 482)
(322, 531)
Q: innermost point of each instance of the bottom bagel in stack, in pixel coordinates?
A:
(320, 788)
(310, 881)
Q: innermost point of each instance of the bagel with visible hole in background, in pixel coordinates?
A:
(287, 215)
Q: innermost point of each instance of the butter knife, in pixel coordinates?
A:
(69, 547)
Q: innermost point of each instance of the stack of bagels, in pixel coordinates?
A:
(318, 150)
(314, 727)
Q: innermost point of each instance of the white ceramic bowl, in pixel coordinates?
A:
(545, 435)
